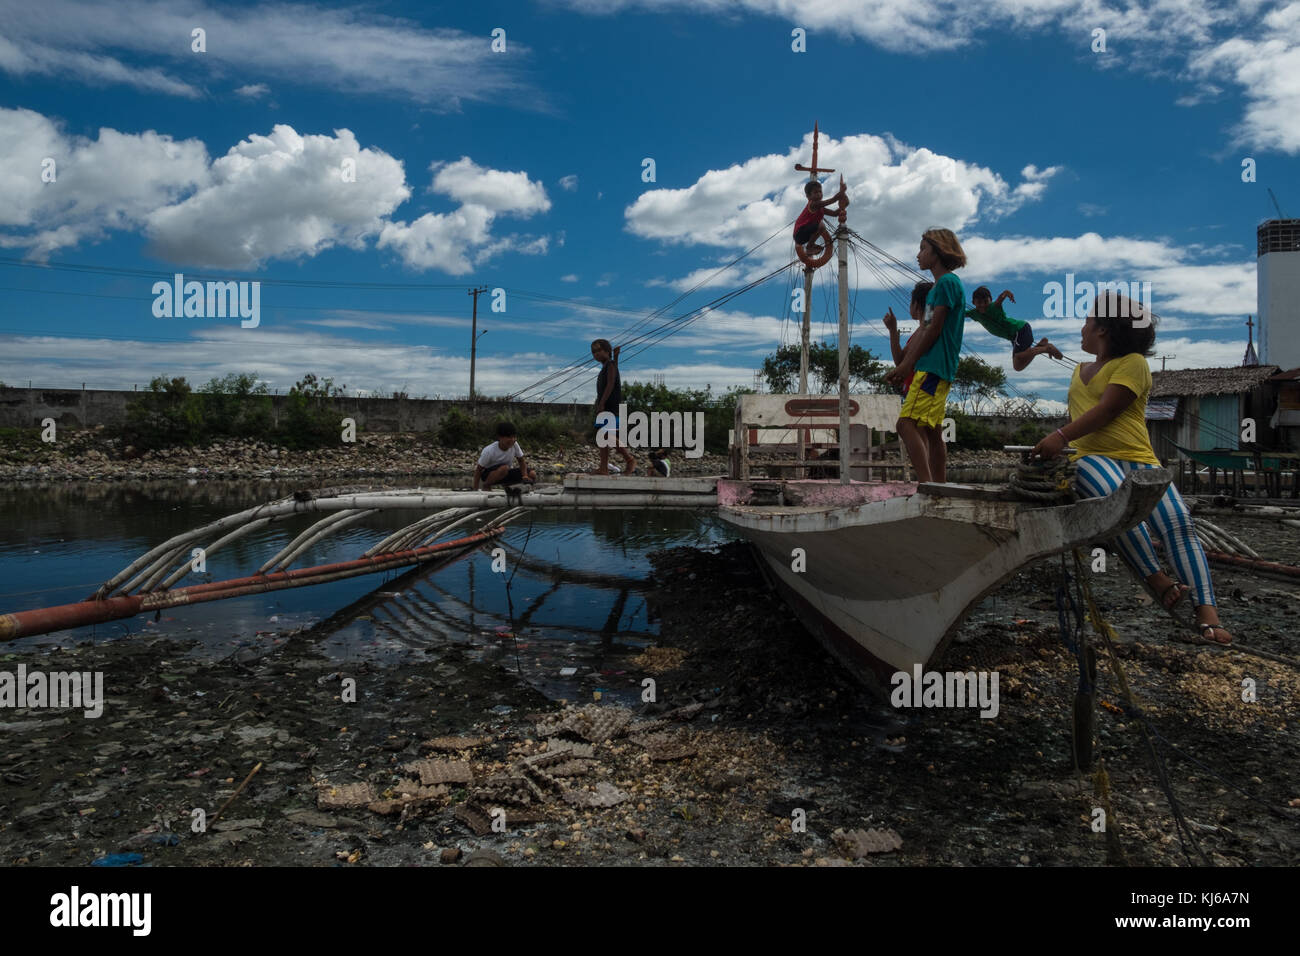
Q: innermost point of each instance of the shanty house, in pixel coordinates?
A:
(1204, 408)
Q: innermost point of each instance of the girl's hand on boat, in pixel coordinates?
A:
(1050, 447)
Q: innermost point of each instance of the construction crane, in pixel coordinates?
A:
(1280, 214)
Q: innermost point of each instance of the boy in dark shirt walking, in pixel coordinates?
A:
(609, 395)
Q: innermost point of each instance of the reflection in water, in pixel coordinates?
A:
(571, 597)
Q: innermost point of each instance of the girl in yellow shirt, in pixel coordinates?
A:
(1108, 429)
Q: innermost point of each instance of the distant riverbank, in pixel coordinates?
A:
(91, 456)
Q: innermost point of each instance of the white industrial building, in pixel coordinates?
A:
(1278, 292)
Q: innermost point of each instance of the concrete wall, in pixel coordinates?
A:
(75, 408)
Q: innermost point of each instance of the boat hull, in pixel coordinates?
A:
(884, 584)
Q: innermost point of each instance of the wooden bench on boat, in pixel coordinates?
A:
(794, 424)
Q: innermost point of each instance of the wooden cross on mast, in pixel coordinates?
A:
(814, 169)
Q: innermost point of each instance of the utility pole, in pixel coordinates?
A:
(842, 250)
(1164, 359)
(812, 172)
(473, 341)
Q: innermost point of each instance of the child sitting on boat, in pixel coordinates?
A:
(659, 463)
(932, 352)
(809, 222)
(1018, 332)
(916, 309)
(1108, 430)
(502, 462)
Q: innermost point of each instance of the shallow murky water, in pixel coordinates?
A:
(568, 610)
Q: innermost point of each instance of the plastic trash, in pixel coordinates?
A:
(118, 859)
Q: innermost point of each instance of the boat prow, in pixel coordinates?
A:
(883, 573)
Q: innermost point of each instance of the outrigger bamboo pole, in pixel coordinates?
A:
(484, 500)
(45, 620)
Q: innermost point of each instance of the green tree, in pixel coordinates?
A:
(977, 382)
(236, 406)
(781, 369)
(310, 419)
(164, 415)
(719, 410)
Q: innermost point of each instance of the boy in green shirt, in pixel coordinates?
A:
(1016, 331)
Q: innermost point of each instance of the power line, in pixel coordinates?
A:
(564, 374)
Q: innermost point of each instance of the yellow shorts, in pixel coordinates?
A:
(927, 400)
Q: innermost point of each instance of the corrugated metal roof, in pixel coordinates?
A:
(1232, 380)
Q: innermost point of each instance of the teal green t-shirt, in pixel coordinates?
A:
(997, 322)
(946, 350)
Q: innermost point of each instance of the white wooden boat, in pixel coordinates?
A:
(883, 572)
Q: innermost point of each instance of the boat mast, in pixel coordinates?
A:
(842, 251)
(808, 270)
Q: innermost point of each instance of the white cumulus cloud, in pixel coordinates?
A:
(115, 181)
(281, 196)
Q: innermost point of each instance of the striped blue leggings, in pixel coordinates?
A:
(1098, 475)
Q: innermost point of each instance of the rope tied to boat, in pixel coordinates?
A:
(1133, 709)
(1044, 479)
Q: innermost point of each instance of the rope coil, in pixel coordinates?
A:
(1045, 479)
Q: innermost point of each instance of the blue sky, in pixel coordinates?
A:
(522, 170)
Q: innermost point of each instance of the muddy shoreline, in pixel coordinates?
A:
(91, 455)
(752, 727)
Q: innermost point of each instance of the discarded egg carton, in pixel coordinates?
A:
(648, 726)
(856, 844)
(542, 778)
(605, 795)
(508, 788)
(672, 750)
(474, 819)
(572, 768)
(453, 744)
(409, 795)
(478, 817)
(346, 796)
(441, 771)
(592, 723)
(558, 751)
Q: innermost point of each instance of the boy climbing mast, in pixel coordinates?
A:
(809, 222)
(989, 314)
